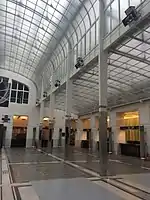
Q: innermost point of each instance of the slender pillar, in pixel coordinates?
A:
(52, 99)
(78, 135)
(41, 114)
(51, 116)
(142, 143)
(144, 131)
(68, 102)
(93, 133)
(42, 103)
(103, 155)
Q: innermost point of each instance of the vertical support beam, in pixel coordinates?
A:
(68, 102)
(42, 103)
(78, 135)
(52, 114)
(52, 99)
(144, 116)
(93, 133)
(142, 143)
(103, 155)
(41, 113)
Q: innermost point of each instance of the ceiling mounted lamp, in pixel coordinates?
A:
(44, 94)
(15, 117)
(46, 119)
(23, 117)
(132, 16)
(80, 63)
(57, 83)
(37, 101)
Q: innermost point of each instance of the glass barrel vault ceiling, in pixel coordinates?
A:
(28, 28)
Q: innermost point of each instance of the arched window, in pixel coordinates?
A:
(19, 93)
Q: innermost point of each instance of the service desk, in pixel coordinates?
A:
(130, 149)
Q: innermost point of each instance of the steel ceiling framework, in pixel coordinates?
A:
(128, 75)
(31, 29)
(34, 38)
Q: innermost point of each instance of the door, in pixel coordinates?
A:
(2, 129)
(34, 136)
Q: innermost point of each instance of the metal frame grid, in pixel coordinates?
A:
(128, 76)
(29, 29)
(34, 38)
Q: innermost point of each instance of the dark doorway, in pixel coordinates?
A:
(19, 132)
(34, 137)
(2, 135)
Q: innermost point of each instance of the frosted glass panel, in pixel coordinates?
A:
(115, 13)
(124, 4)
(135, 2)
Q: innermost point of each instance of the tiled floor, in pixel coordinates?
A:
(29, 166)
(25, 173)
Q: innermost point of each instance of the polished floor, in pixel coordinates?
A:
(71, 174)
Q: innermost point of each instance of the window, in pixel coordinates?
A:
(13, 96)
(14, 84)
(19, 93)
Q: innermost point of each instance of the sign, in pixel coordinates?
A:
(6, 119)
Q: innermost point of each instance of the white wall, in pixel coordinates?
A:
(59, 116)
(21, 109)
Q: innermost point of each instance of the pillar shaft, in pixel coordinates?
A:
(103, 155)
(42, 103)
(93, 133)
(68, 102)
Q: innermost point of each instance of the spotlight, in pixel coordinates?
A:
(80, 63)
(37, 101)
(44, 94)
(57, 83)
(132, 15)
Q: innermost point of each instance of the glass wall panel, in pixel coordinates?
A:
(108, 20)
(123, 7)
(87, 42)
(115, 13)
(135, 2)
(93, 36)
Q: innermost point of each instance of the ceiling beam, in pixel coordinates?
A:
(130, 70)
(121, 53)
(89, 81)
(121, 82)
(140, 40)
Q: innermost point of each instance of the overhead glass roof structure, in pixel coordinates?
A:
(34, 38)
(29, 29)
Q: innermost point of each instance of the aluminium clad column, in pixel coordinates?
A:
(41, 114)
(68, 103)
(52, 116)
(103, 155)
(42, 104)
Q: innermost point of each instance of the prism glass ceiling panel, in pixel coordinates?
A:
(28, 28)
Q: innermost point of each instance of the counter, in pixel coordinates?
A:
(130, 149)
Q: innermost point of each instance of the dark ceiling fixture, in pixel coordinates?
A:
(37, 101)
(80, 63)
(57, 83)
(132, 15)
(44, 94)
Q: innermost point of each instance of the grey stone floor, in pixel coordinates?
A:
(72, 189)
(17, 155)
(37, 168)
(117, 164)
(26, 173)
